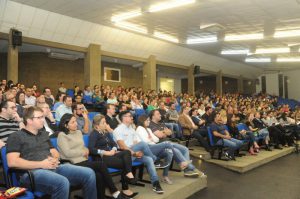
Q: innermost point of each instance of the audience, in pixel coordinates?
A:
(71, 147)
(30, 148)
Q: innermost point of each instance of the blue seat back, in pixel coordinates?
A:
(54, 143)
(91, 115)
(210, 136)
(242, 126)
(87, 99)
(70, 92)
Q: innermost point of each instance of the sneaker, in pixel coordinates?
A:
(161, 165)
(122, 196)
(157, 188)
(167, 180)
(192, 174)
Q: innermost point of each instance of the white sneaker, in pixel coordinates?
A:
(167, 180)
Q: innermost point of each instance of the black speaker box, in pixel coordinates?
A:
(196, 70)
(16, 38)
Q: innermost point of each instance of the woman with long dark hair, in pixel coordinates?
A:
(71, 147)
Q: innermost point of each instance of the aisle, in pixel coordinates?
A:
(277, 179)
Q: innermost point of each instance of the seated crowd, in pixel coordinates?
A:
(136, 126)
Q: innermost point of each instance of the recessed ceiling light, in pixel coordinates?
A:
(165, 37)
(126, 15)
(256, 36)
(287, 33)
(131, 26)
(202, 40)
(288, 59)
(235, 52)
(169, 4)
(272, 50)
(257, 60)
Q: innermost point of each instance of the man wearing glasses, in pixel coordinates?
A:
(10, 121)
(30, 148)
(81, 114)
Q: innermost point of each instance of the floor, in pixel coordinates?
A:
(279, 179)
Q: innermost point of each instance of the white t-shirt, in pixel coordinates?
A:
(144, 136)
(127, 134)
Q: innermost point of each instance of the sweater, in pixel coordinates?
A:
(71, 146)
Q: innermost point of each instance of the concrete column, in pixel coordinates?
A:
(191, 80)
(240, 84)
(92, 65)
(149, 74)
(12, 61)
(219, 83)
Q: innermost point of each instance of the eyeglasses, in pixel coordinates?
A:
(40, 117)
(12, 107)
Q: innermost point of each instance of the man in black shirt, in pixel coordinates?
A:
(110, 116)
(207, 116)
(30, 148)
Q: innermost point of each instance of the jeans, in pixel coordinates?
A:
(182, 154)
(148, 159)
(199, 134)
(175, 129)
(57, 182)
(163, 150)
(232, 144)
(263, 133)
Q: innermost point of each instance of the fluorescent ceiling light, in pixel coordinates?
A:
(235, 52)
(272, 50)
(202, 40)
(288, 59)
(244, 37)
(286, 33)
(165, 37)
(131, 26)
(126, 15)
(256, 60)
(169, 4)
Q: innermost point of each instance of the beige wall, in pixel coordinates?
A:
(44, 71)
(130, 77)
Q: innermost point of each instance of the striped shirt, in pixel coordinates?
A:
(7, 127)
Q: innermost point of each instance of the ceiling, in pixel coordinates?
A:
(230, 17)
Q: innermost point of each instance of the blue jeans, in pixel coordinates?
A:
(232, 144)
(263, 133)
(57, 182)
(148, 159)
(182, 154)
(163, 150)
(175, 129)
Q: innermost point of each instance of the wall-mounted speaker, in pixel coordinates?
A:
(16, 38)
(257, 81)
(196, 70)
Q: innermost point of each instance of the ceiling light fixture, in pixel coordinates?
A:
(256, 36)
(286, 33)
(202, 40)
(288, 59)
(165, 37)
(257, 60)
(235, 52)
(132, 27)
(169, 4)
(126, 15)
(272, 50)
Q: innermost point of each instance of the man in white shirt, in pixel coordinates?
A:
(127, 139)
(29, 98)
(66, 107)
